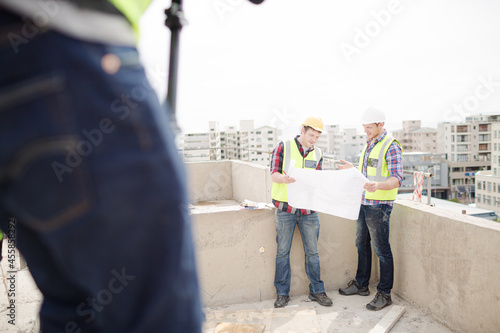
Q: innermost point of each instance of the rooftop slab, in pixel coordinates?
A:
(347, 314)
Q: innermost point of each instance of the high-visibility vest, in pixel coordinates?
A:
(291, 153)
(132, 10)
(377, 170)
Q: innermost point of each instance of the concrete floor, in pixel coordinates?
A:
(347, 314)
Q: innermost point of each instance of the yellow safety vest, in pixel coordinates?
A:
(377, 170)
(291, 152)
(132, 10)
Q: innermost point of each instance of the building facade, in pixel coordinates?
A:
(468, 149)
(488, 182)
(414, 138)
(243, 142)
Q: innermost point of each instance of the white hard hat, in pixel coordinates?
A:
(372, 115)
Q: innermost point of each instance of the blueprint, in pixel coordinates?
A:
(334, 192)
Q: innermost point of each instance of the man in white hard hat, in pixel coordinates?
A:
(381, 162)
(301, 149)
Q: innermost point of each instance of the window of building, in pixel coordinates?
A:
(479, 185)
(489, 187)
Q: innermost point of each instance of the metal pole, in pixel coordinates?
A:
(175, 21)
(429, 190)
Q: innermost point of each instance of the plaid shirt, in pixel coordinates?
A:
(277, 166)
(394, 164)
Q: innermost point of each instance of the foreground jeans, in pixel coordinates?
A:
(309, 231)
(373, 224)
(92, 188)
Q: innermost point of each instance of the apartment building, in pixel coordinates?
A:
(488, 182)
(468, 148)
(414, 138)
(243, 142)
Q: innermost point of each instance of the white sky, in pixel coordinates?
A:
(282, 61)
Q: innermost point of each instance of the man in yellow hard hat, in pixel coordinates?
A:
(301, 149)
(381, 162)
(91, 173)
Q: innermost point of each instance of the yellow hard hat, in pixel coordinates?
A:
(314, 122)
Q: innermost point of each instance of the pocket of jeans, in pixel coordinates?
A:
(375, 207)
(45, 182)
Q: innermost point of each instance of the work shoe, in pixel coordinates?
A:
(281, 301)
(321, 298)
(380, 301)
(353, 288)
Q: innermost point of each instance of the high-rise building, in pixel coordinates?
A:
(467, 147)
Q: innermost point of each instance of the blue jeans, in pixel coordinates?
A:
(309, 231)
(92, 187)
(373, 225)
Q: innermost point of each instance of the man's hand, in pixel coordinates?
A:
(344, 165)
(371, 186)
(282, 178)
(287, 179)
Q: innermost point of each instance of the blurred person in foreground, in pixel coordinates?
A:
(381, 162)
(300, 149)
(89, 171)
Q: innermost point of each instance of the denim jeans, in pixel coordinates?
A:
(309, 231)
(90, 174)
(373, 225)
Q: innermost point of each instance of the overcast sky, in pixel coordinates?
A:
(284, 60)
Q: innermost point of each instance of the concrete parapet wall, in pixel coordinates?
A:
(448, 264)
(222, 180)
(209, 181)
(252, 182)
(236, 252)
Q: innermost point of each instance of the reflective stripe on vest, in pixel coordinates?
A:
(132, 10)
(291, 152)
(376, 169)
